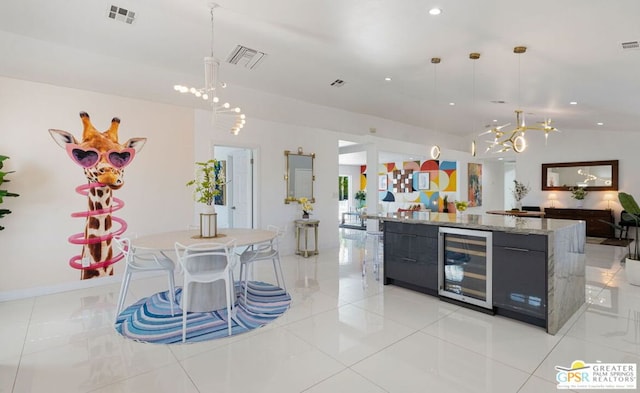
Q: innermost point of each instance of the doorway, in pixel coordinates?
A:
(235, 207)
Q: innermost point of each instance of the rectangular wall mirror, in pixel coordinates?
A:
(299, 175)
(593, 175)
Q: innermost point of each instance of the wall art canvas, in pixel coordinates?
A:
(382, 182)
(423, 181)
(475, 184)
(221, 168)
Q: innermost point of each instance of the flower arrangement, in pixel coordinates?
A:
(578, 193)
(306, 205)
(208, 181)
(520, 190)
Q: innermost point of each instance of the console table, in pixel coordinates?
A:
(302, 229)
(593, 217)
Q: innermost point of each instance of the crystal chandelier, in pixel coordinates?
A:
(210, 90)
(514, 139)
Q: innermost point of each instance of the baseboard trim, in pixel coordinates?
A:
(67, 286)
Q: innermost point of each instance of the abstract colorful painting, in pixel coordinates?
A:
(475, 184)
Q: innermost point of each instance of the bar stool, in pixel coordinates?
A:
(377, 237)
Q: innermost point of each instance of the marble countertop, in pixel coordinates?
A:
(542, 226)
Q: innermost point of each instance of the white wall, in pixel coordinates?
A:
(33, 247)
(570, 146)
(271, 139)
(155, 194)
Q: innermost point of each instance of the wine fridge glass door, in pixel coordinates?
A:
(464, 266)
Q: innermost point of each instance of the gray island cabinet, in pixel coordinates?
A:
(535, 268)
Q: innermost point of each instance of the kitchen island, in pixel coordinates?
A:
(530, 269)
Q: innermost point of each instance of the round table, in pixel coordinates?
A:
(203, 297)
(165, 241)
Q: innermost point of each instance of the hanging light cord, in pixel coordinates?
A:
(212, 29)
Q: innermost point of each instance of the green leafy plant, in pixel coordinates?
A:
(208, 181)
(4, 193)
(578, 193)
(520, 190)
(630, 205)
(361, 195)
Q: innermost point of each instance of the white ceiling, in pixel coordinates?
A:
(574, 54)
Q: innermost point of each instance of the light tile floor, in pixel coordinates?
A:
(343, 333)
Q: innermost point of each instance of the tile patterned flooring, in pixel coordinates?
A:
(343, 333)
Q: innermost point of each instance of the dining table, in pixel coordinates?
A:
(518, 213)
(204, 297)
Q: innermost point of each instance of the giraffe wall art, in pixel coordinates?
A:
(103, 159)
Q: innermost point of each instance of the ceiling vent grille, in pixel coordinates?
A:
(337, 83)
(630, 45)
(250, 58)
(121, 14)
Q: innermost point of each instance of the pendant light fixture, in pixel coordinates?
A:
(212, 86)
(504, 141)
(435, 150)
(474, 56)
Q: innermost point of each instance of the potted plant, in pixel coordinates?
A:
(578, 193)
(519, 192)
(632, 262)
(361, 197)
(208, 183)
(4, 193)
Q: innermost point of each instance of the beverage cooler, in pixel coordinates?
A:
(464, 266)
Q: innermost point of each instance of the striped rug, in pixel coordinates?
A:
(150, 319)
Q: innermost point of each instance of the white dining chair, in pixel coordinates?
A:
(260, 252)
(377, 238)
(137, 261)
(206, 263)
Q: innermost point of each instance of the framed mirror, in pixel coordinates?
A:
(593, 175)
(299, 175)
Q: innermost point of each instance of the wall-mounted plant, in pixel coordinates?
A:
(4, 193)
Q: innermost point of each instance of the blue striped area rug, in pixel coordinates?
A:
(150, 320)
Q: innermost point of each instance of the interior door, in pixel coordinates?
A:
(241, 189)
(238, 209)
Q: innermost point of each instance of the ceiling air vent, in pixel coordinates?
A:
(121, 14)
(630, 45)
(250, 58)
(337, 83)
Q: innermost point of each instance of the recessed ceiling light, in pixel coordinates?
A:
(500, 158)
(495, 120)
(573, 103)
(435, 11)
(600, 123)
(452, 104)
(387, 79)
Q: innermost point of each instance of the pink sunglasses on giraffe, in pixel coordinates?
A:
(89, 157)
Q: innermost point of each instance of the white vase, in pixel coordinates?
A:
(579, 203)
(207, 209)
